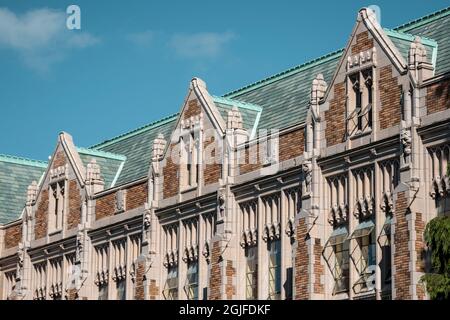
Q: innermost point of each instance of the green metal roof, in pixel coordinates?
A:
(250, 113)
(111, 164)
(435, 26)
(403, 42)
(136, 147)
(285, 96)
(16, 174)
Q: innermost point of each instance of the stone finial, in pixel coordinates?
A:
(32, 193)
(234, 120)
(93, 172)
(159, 145)
(93, 177)
(417, 53)
(318, 89)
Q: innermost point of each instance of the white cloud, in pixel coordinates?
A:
(40, 36)
(203, 44)
(142, 39)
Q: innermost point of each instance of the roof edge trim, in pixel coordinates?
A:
(23, 161)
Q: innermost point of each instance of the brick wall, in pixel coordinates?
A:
(72, 294)
(212, 171)
(74, 214)
(249, 161)
(390, 94)
(59, 160)
(402, 275)
(319, 269)
(13, 235)
(335, 116)
(438, 97)
(192, 109)
(301, 262)
(105, 206)
(363, 43)
(41, 216)
(291, 145)
(230, 271)
(170, 173)
(137, 196)
(215, 279)
(421, 253)
(139, 293)
(153, 290)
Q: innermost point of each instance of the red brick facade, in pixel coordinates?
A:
(59, 160)
(105, 206)
(13, 235)
(390, 95)
(193, 109)
(139, 293)
(301, 262)
(136, 196)
(212, 171)
(153, 290)
(41, 216)
(402, 273)
(74, 214)
(363, 43)
(291, 145)
(170, 173)
(319, 269)
(335, 116)
(438, 97)
(215, 279)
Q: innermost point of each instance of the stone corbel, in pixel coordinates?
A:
(206, 251)
(290, 228)
(249, 238)
(387, 204)
(101, 278)
(119, 273)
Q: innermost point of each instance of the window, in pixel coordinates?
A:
(363, 256)
(57, 205)
(192, 281)
(103, 291)
(341, 267)
(121, 289)
(189, 159)
(171, 286)
(275, 270)
(336, 254)
(251, 255)
(360, 102)
(385, 242)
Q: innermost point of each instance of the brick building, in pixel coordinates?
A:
(315, 183)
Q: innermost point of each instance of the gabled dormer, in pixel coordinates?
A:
(57, 207)
(365, 100)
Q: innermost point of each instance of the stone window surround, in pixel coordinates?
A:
(108, 268)
(262, 250)
(45, 259)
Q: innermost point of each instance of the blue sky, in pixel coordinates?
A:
(131, 62)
